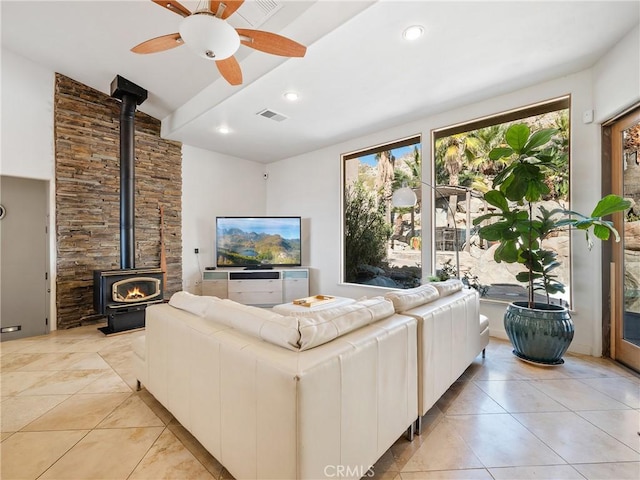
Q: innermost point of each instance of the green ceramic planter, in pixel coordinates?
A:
(541, 334)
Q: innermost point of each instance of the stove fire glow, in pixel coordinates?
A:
(135, 289)
(134, 293)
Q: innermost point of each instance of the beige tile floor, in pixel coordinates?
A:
(69, 410)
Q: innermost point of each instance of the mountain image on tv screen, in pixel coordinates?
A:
(258, 241)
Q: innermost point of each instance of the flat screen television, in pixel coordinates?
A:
(258, 242)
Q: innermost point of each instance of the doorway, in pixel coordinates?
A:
(24, 278)
(625, 270)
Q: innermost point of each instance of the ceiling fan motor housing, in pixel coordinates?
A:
(209, 36)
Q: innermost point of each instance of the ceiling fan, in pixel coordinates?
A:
(207, 33)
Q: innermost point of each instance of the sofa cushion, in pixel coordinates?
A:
(191, 303)
(404, 300)
(317, 328)
(265, 324)
(448, 287)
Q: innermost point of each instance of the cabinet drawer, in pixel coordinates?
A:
(213, 275)
(255, 286)
(289, 274)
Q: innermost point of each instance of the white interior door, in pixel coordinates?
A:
(24, 283)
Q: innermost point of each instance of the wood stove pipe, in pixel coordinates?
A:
(130, 95)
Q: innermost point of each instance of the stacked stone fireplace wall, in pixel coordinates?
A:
(88, 202)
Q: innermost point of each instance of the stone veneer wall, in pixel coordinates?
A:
(87, 170)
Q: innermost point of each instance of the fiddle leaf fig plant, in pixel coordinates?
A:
(520, 226)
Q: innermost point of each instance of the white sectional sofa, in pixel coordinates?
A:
(283, 410)
(314, 395)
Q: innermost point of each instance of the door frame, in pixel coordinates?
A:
(614, 344)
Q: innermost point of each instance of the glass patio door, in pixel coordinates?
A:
(625, 144)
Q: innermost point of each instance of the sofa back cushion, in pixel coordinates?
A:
(258, 322)
(319, 327)
(296, 331)
(191, 303)
(404, 300)
(448, 287)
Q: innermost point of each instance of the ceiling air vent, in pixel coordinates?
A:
(266, 113)
(257, 12)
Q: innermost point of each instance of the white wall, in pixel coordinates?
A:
(616, 77)
(311, 183)
(213, 185)
(27, 118)
(27, 136)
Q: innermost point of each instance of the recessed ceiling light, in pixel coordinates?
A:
(223, 130)
(291, 96)
(413, 32)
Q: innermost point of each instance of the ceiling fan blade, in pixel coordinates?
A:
(230, 69)
(173, 6)
(159, 44)
(230, 7)
(271, 43)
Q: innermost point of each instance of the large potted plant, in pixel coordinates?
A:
(540, 332)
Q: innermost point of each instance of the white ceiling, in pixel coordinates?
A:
(358, 75)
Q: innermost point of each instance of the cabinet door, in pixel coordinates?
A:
(295, 288)
(214, 288)
(257, 298)
(255, 286)
(214, 283)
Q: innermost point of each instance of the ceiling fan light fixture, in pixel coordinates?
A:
(413, 32)
(209, 36)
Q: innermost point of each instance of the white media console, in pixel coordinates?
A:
(263, 288)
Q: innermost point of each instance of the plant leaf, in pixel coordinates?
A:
(603, 232)
(535, 191)
(497, 199)
(517, 188)
(506, 252)
(495, 231)
(525, 276)
(500, 177)
(482, 218)
(517, 136)
(610, 204)
(499, 152)
(539, 138)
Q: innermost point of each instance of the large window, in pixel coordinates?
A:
(382, 244)
(463, 172)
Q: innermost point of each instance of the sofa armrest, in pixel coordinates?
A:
(449, 338)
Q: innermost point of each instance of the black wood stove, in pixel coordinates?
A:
(123, 295)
